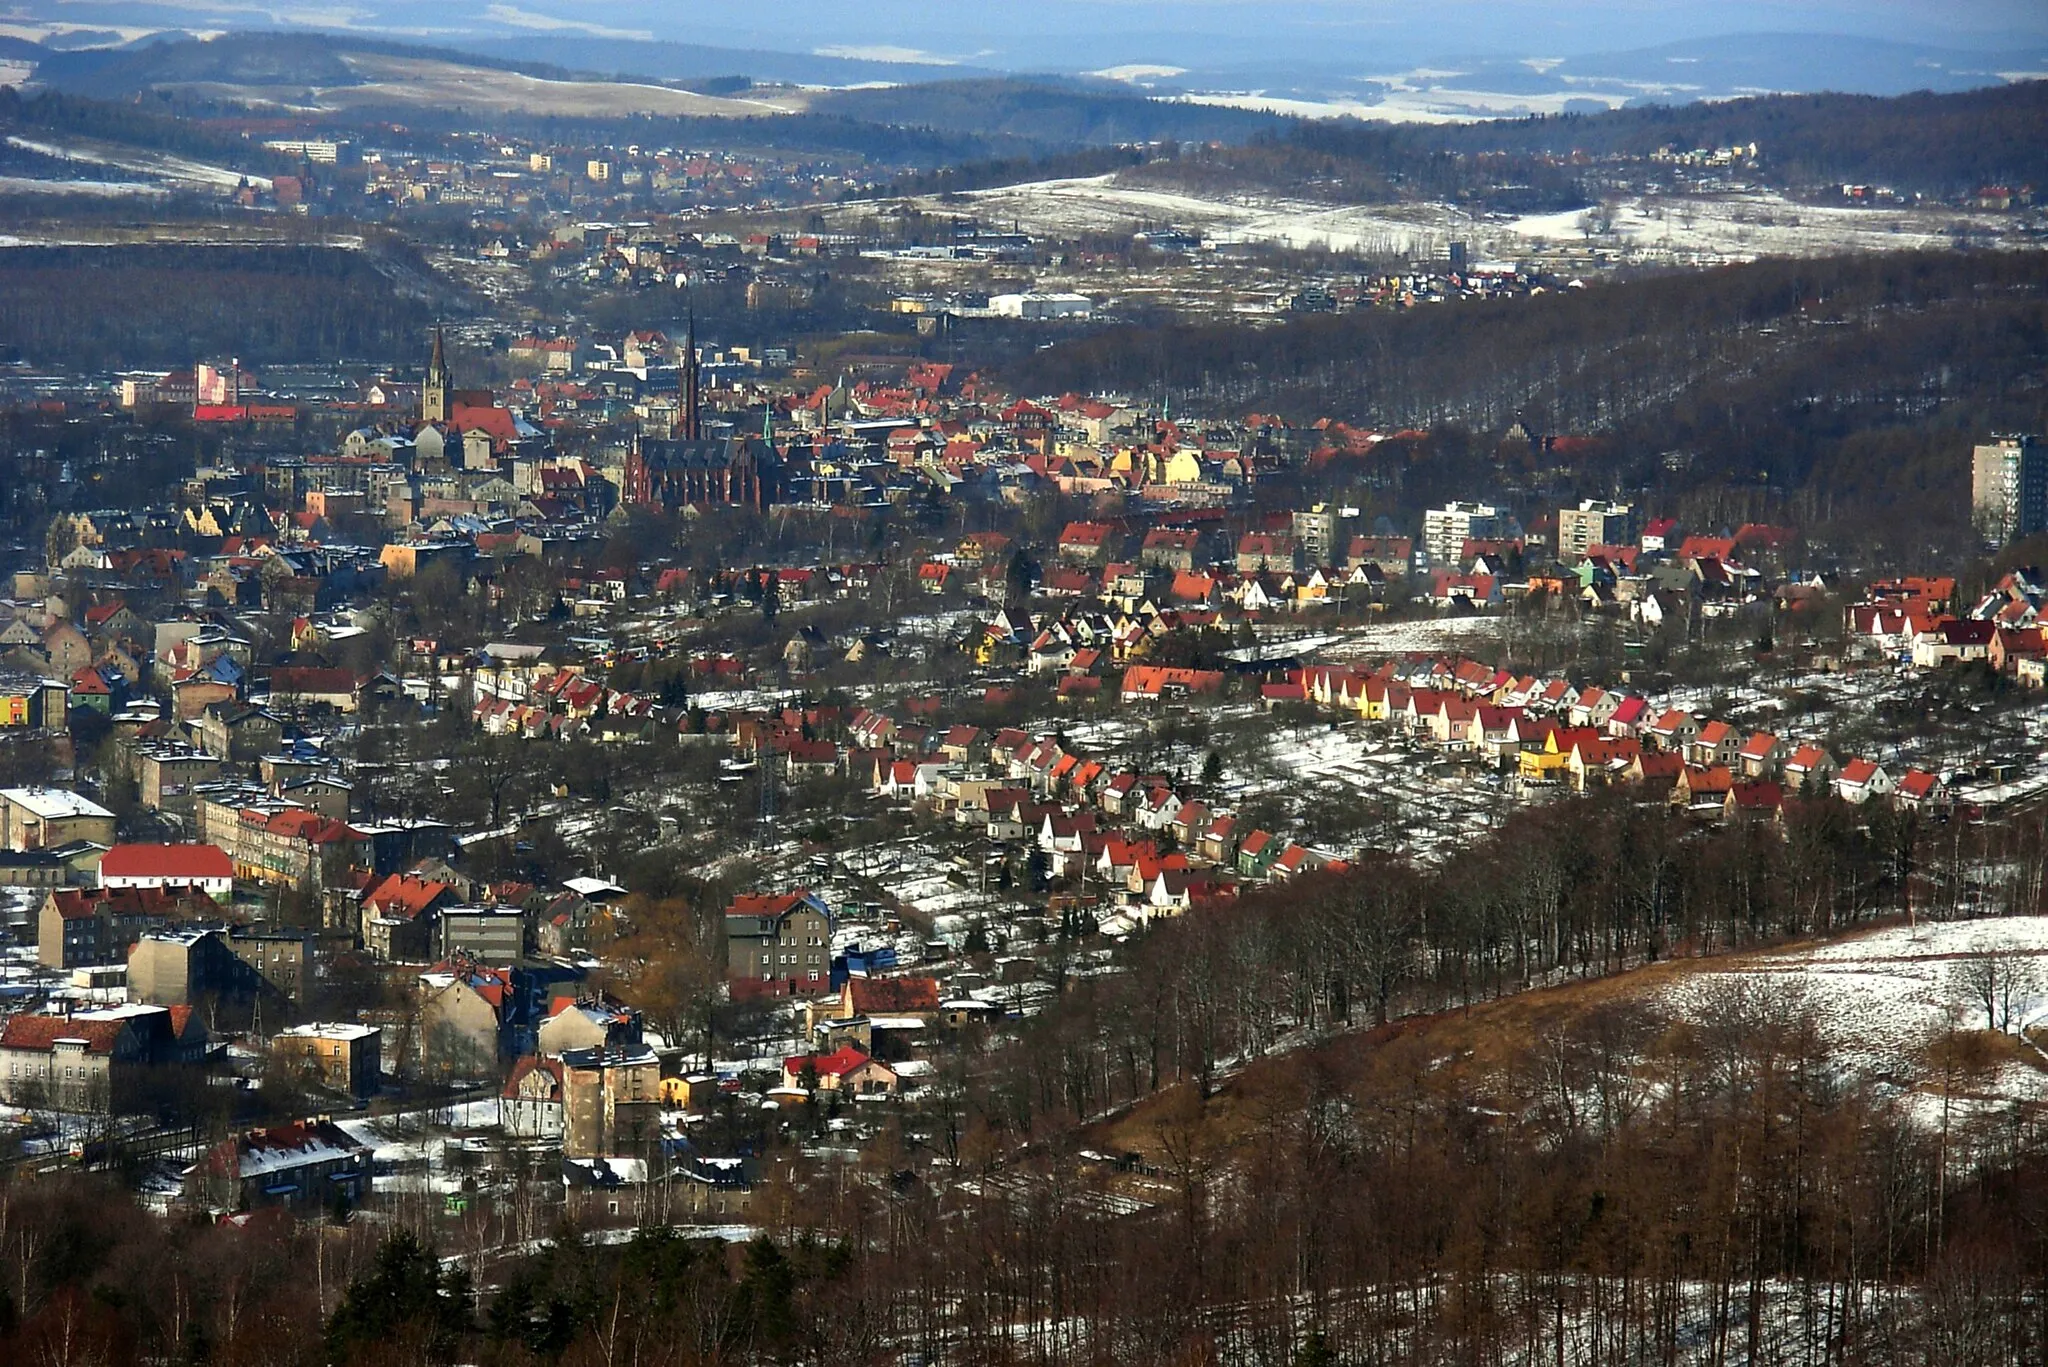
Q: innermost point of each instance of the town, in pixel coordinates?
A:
(871, 715)
(338, 777)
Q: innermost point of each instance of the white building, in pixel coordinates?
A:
(1038, 306)
(1445, 530)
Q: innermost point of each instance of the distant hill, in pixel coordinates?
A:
(1921, 140)
(693, 62)
(1851, 377)
(236, 59)
(1048, 110)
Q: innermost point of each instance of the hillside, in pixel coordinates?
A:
(345, 72)
(142, 305)
(1059, 114)
(1849, 378)
(1883, 1006)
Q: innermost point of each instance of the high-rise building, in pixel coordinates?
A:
(2009, 488)
(1594, 522)
(1445, 530)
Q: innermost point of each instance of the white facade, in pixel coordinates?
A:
(1445, 530)
(1034, 305)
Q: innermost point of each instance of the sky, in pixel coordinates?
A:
(1082, 34)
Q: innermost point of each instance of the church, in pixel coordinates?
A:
(696, 470)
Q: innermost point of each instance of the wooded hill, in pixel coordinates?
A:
(1856, 377)
(1937, 145)
(95, 307)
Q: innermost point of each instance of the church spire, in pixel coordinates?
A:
(692, 415)
(434, 390)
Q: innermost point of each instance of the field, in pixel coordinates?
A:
(1699, 229)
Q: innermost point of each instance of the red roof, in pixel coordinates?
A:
(404, 896)
(888, 996)
(172, 863)
(838, 1063)
(41, 1032)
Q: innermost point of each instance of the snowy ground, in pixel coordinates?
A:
(1702, 228)
(1740, 226)
(157, 164)
(1880, 997)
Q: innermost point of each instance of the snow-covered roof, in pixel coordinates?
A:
(53, 804)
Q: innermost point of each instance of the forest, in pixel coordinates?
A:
(165, 305)
(1856, 379)
(1942, 145)
(1394, 1116)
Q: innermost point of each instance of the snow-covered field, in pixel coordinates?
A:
(1426, 635)
(159, 164)
(1703, 228)
(1090, 204)
(1735, 226)
(1880, 997)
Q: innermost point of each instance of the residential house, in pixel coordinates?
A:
(1760, 755)
(310, 1165)
(340, 1057)
(178, 869)
(778, 944)
(78, 927)
(1861, 780)
(846, 1070)
(531, 1103)
(611, 1101)
(45, 818)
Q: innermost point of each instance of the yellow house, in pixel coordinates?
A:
(1547, 765)
(14, 701)
(1180, 467)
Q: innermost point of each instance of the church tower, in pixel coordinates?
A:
(693, 427)
(434, 389)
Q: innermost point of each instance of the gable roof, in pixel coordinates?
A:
(173, 863)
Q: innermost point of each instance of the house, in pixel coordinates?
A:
(1953, 641)
(313, 686)
(1258, 552)
(1153, 682)
(465, 1015)
(1760, 755)
(82, 926)
(1717, 743)
(1700, 789)
(1086, 543)
(845, 1070)
(591, 1022)
(187, 966)
(398, 917)
(1754, 800)
(611, 1101)
(1256, 853)
(340, 1057)
(1809, 769)
(490, 934)
(913, 998)
(99, 1061)
(44, 818)
(1673, 730)
(186, 869)
(778, 944)
(1917, 789)
(1862, 780)
(1171, 548)
(530, 1105)
(310, 1165)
